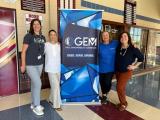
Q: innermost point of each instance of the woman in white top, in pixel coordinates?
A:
(52, 67)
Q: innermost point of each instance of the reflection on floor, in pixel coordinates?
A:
(25, 113)
(145, 88)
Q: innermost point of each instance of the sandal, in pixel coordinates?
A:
(58, 109)
(50, 102)
(122, 107)
(119, 104)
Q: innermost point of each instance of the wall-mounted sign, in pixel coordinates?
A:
(33, 5)
(30, 17)
(130, 12)
(108, 28)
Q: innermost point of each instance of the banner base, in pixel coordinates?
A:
(81, 103)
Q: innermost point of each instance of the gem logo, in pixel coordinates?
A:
(85, 41)
(67, 41)
(81, 42)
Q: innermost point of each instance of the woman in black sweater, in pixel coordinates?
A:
(128, 58)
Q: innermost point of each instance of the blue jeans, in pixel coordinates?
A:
(34, 72)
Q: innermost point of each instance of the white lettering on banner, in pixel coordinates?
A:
(80, 55)
(88, 55)
(70, 55)
(85, 41)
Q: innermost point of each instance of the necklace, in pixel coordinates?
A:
(123, 54)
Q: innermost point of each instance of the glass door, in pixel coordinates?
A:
(153, 55)
(140, 38)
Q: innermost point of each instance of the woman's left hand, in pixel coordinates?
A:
(131, 67)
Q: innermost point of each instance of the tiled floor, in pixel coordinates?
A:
(24, 113)
(109, 112)
(144, 103)
(81, 112)
(145, 88)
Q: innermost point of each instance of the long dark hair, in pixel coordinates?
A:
(31, 26)
(129, 38)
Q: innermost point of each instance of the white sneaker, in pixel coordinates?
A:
(38, 110)
(40, 106)
(32, 106)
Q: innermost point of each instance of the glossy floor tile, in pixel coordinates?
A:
(145, 88)
(19, 99)
(19, 104)
(138, 108)
(25, 113)
(78, 112)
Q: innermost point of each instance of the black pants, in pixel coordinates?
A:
(106, 81)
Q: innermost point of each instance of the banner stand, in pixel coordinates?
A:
(79, 36)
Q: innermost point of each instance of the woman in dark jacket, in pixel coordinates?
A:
(128, 58)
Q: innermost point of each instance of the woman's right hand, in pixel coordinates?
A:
(23, 57)
(23, 68)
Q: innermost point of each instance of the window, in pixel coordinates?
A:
(136, 36)
(139, 38)
(153, 54)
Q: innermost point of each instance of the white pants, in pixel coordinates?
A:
(55, 98)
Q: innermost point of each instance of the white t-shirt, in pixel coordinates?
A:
(52, 57)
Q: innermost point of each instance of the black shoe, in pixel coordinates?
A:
(104, 100)
(50, 102)
(100, 97)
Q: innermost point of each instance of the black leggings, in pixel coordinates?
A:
(106, 81)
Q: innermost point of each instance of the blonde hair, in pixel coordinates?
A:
(110, 36)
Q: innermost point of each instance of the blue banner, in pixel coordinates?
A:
(79, 35)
